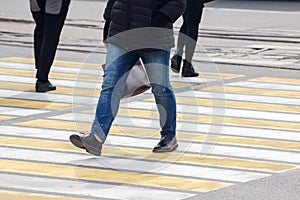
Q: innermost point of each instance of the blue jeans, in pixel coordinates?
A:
(118, 63)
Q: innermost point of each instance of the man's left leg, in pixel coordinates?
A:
(157, 67)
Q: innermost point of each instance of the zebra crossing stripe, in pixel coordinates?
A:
(291, 81)
(129, 153)
(55, 63)
(20, 103)
(70, 125)
(110, 176)
(253, 91)
(53, 75)
(6, 194)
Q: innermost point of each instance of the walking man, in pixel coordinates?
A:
(137, 30)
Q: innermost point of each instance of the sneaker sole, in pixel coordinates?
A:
(76, 141)
(165, 150)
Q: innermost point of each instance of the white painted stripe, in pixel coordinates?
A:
(219, 111)
(68, 70)
(20, 111)
(192, 127)
(65, 83)
(269, 86)
(84, 188)
(155, 167)
(240, 97)
(221, 150)
(194, 80)
(36, 132)
(59, 98)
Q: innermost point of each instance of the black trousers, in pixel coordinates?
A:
(190, 27)
(46, 37)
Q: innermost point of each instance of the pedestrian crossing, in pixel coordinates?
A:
(244, 130)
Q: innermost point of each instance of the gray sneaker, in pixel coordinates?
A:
(88, 142)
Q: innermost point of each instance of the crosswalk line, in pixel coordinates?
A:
(241, 97)
(262, 143)
(53, 75)
(254, 91)
(6, 194)
(110, 176)
(21, 111)
(55, 63)
(291, 81)
(17, 60)
(83, 189)
(190, 136)
(45, 97)
(59, 90)
(235, 104)
(142, 154)
(21, 103)
(134, 165)
(6, 117)
(267, 86)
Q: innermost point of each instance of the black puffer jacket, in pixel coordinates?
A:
(131, 22)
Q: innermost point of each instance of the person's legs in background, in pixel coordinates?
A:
(46, 38)
(188, 38)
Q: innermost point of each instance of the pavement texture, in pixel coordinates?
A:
(238, 129)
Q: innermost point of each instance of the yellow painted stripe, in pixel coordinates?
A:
(219, 75)
(13, 195)
(291, 81)
(56, 63)
(97, 66)
(6, 117)
(139, 132)
(34, 104)
(111, 176)
(181, 84)
(59, 89)
(56, 75)
(235, 104)
(134, 153)
(253, 91)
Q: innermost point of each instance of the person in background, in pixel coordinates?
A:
(143, 30)
(49, 17)
(188, 38)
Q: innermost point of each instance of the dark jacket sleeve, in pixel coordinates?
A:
(173, 9)
(105, 30)
(107, 10)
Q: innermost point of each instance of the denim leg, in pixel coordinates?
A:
(157, 67)
(118, 62)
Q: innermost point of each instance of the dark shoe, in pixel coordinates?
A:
(44, 87)
(176, 63)
(188, 70)
(88, 142)
(166, 144)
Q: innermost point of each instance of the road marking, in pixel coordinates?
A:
(254, 91)
(142, 154)
(5, 194)
(110, 176)
(22, 103)
(291, 81)
(84, 189)
(6, 117)
(70, 125)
